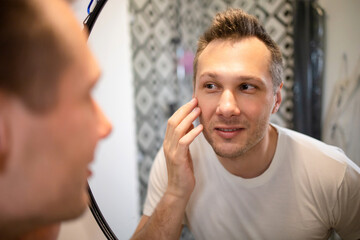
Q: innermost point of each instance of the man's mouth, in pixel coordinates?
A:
(228, 129)
(228, 133)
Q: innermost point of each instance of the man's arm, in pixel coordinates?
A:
(164, 223)
(167, 218)
(347, 209)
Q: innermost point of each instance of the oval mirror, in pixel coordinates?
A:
(113, 187)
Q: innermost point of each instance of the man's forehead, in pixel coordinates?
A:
(233, 41)
(233, 47)
(244, 58)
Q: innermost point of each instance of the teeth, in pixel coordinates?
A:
(227, 129)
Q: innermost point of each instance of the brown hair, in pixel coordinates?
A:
(235, 24)
(32, 56)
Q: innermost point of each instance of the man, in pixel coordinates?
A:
(254, 180)
(49, 121)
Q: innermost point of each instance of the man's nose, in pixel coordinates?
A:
(228, 105)
(105, 126)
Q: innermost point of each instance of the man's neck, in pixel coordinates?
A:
(28, 232)
(256, 160)
(15, 224)
(13, 229)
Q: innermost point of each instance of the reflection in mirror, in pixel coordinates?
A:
(163, 41)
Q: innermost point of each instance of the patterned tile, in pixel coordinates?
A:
(144, 169)
(165, 65)
(287, 109)
(288, 78)
(260, 14)
(287, 46)
(144, 100)
(162, 5)
(166, 97)
(155, 83)
(275, 29)
(139, 3)
(142, 65)
(162, 33)
(285, 13)
(140, 29)
(246, 5)
(146, 136)
(151, 14)
(270, 5)
(215, 7)
(153, 47)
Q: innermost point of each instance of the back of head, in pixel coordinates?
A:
(32, 56)
(235, 24)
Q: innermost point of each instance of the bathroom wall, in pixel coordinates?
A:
(342, 37)
(342, 41)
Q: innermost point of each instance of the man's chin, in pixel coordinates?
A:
(77, 208)
(85, 203)
(228, 150)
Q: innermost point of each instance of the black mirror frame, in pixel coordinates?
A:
(89, 22)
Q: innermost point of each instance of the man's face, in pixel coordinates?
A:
(235, 93)
(53, 150)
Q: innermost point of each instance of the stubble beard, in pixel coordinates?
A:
(238, 149)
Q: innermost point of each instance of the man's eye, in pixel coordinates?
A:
(210, 86)
(246, 86)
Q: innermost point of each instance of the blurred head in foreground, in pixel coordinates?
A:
(49, 121)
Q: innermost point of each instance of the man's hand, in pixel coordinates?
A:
(167, 218)
(179, 135)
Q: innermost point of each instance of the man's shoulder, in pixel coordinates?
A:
(290, 139)
(312, 153)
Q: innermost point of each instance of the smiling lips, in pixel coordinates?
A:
(228, 132)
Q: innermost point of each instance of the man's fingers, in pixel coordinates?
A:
(186, 140)
(186, 123)
(182, 112)
(190, 128)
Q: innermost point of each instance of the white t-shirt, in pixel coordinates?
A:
(309, 188)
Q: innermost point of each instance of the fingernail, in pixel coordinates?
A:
(193, 100)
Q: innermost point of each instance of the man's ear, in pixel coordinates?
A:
(278, 99)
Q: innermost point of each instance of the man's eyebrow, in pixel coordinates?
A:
(241, 77)
(208, 74)
(250, 78)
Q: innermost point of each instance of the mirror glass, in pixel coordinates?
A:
(137, 44)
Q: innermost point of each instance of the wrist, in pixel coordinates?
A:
(177, 195)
